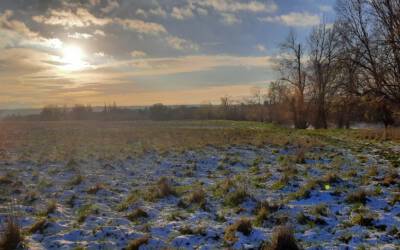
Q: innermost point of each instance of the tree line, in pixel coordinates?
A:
(351, 63)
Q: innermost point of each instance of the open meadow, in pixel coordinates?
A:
(198, 185)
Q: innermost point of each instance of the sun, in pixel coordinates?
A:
(73, 58)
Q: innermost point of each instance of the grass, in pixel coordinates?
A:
(236, 197)
(282, 239)
(136, 214)
(84, 211)
(38, 226)
(161, 189)
(11, 236)
(358, 196)
(137, 243)
(109, 144)
(242, 225)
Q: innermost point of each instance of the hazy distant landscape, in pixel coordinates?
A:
(207, 124)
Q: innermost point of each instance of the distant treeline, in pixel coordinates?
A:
(272, 107)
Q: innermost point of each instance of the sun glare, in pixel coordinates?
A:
(73, 58)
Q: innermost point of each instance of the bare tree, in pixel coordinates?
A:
(292, 70)
(373, 35)
(323, 53)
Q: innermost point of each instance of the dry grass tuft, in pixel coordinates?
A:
(39, 226)
(137, 214)
(282, 239)
(358, 196)
(243, 225)
(137, 243)
(161, 189)
(11, 237)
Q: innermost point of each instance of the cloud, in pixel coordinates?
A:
(186, 64)
(181, 44)
(138, 54)
(326, 8)
(78, 35)
(83, 18)
(182, 13)
(111, 5)
(141, 26)
(94, 2)
(158, 12)
(260, 48)
(15, 25)
(299, 19)
(230, 19)
(99, 33)
(236, 6)
(14, 33)
(80, 18)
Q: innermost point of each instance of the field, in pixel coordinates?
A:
(198, 185)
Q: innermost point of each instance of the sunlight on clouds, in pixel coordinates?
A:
(73, 58)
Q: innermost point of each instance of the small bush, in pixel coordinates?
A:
(11, 238)
(243, 225)
(282, 239)
(137, 243)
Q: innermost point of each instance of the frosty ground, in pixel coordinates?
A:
(185, 185)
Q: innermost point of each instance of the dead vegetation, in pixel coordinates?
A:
(11, 234)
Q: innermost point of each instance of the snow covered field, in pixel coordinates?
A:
(333, 194)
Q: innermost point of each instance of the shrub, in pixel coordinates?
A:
(11, 238)
(243, 225)
(137, 243)
(282, 239)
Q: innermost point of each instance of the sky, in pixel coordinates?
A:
(141, 52)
